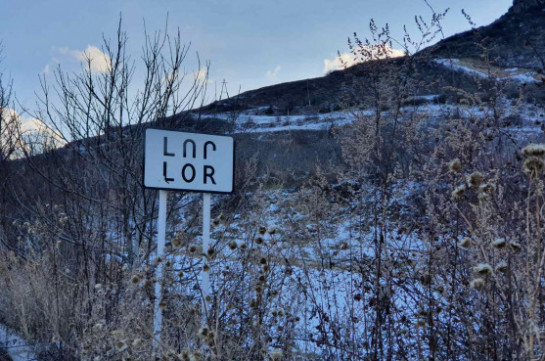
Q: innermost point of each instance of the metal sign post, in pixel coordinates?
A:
(205, 274)
(161, 232)
(176, 160)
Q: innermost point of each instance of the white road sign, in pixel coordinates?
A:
(188, 161)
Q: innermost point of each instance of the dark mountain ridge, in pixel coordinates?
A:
(517, 39)
(514, 42)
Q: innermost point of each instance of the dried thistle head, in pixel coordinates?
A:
(184, 356)
(422, 312)
(533, 166)
(120, 346)
(262, 230)
(194, 249)
(501, 267)
(211, 252)
(162, 305)
(420, 323)
(455, 165)
(499, 243)
(203, 332)
(514, 246)
(425, 279)
(534, 150)
(475, 179)
(465, 243)
(459, 192)
(483, 269)
(195, 356)
(176, 242)
(276, 355)
(135, 279)
(477, 283)
(487, 188)
(233, 245)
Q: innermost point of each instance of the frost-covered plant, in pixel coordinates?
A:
(455, 165)
(465, 243)
(478, 283)
(534, 150)
(475, 179)
(459, 192)
(483, 269)
(499, 243)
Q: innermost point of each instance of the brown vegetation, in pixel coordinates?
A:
(425, 242)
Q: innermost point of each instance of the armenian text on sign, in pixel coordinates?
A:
(188, 161)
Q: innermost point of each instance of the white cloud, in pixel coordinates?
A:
(202, 74)
(47, 70)
(26, 125)
(98, 61)
(338, 62)
(347, 59)
(32, 131)
(32, 125)
(9, 129)
(93, 58)
(271, 74)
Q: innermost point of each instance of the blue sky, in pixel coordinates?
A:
(249, 43)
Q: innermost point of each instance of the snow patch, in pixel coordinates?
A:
(456, 64)
(18, 349)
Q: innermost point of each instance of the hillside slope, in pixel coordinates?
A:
(517, 39)
(511, 48)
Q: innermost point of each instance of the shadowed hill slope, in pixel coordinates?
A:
(516, 40)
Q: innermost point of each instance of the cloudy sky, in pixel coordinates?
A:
(249, 43)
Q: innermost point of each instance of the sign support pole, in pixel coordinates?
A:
(161, 232)
(205, 274)
(175, 160)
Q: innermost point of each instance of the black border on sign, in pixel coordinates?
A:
(181, 189)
